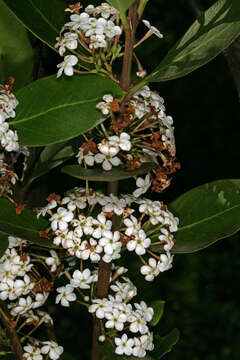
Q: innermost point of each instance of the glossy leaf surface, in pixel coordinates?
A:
(42, 17)
(209, 35)
(26, 225)
(207, 213)
(16, 53)
(121, 5)
(158, 307)
(54, 110)
(115, 174)
(3, 244)
(53, 156)
(164, 344)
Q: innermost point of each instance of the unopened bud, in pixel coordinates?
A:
(86, 298)
(129, 296)
(102, 338)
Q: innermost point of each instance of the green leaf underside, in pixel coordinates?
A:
(43, 18)
(209, 35)
(158, 307)
(26, 225)
(54, 110)
(3, 244)
(53, 156)
(164, 344)
(121, 5)
(16, 53)
(119, 173)
(207, 213)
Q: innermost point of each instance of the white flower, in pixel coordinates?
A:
(65, 295)
(116, 320)
(107, 156)
(139, 243)
(40, 300)
(87, 158)
(42, 211)
(97, 41)
(146, 312)
(167, 238)
(94, 27)
(123, 141)
(91, 249)
(32, 353)
(153, 29)
(66, 66)
(106, 10)
(124, 345)
(82, 279)
(143, 185)
(133, 226)
(23, 306)
(69, 41)
(61, 219)
(150, 271)
(52, 349)
(100, 307)
(104, 105)
(103, 227)
(113, 203)
(53, 261)
(110, 241)
(138, 324)
(15, 242)
(111, 29)
(9, 141)
(139, 349)
(78, 21)
(165, 262)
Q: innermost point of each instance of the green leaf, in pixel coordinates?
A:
(121, 5)
(16, 53)
(54, 110)
(43, 18)
(164, 344)
(26, 225)
(209, 35)
(3, 244)
(207, 213)
(53, 156)
(158, 307)
(116, 174)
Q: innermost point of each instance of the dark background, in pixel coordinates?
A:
(201, 291)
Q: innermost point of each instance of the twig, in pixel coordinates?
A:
(11, 331)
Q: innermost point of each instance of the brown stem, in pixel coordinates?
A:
(130, 30)
(12, 334)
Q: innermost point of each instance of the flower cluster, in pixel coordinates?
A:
(82, 223)
(50, 348)
(25, 292)
(8, 103)
(93, 29)
(116, 313)
(144, 134)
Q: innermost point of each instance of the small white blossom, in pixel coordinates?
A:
(100, 307)
(53, 261)
(124, 345)
(123, 141)
(150, 271)
(61, 219)
(32, 353)
(69, 41)
(65, 295)
(143, 185)
(53, 350)
(139, 243)
(66, 66)
(107, 156)
(82, 279)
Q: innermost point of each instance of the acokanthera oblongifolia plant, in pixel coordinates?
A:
(111, 126)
